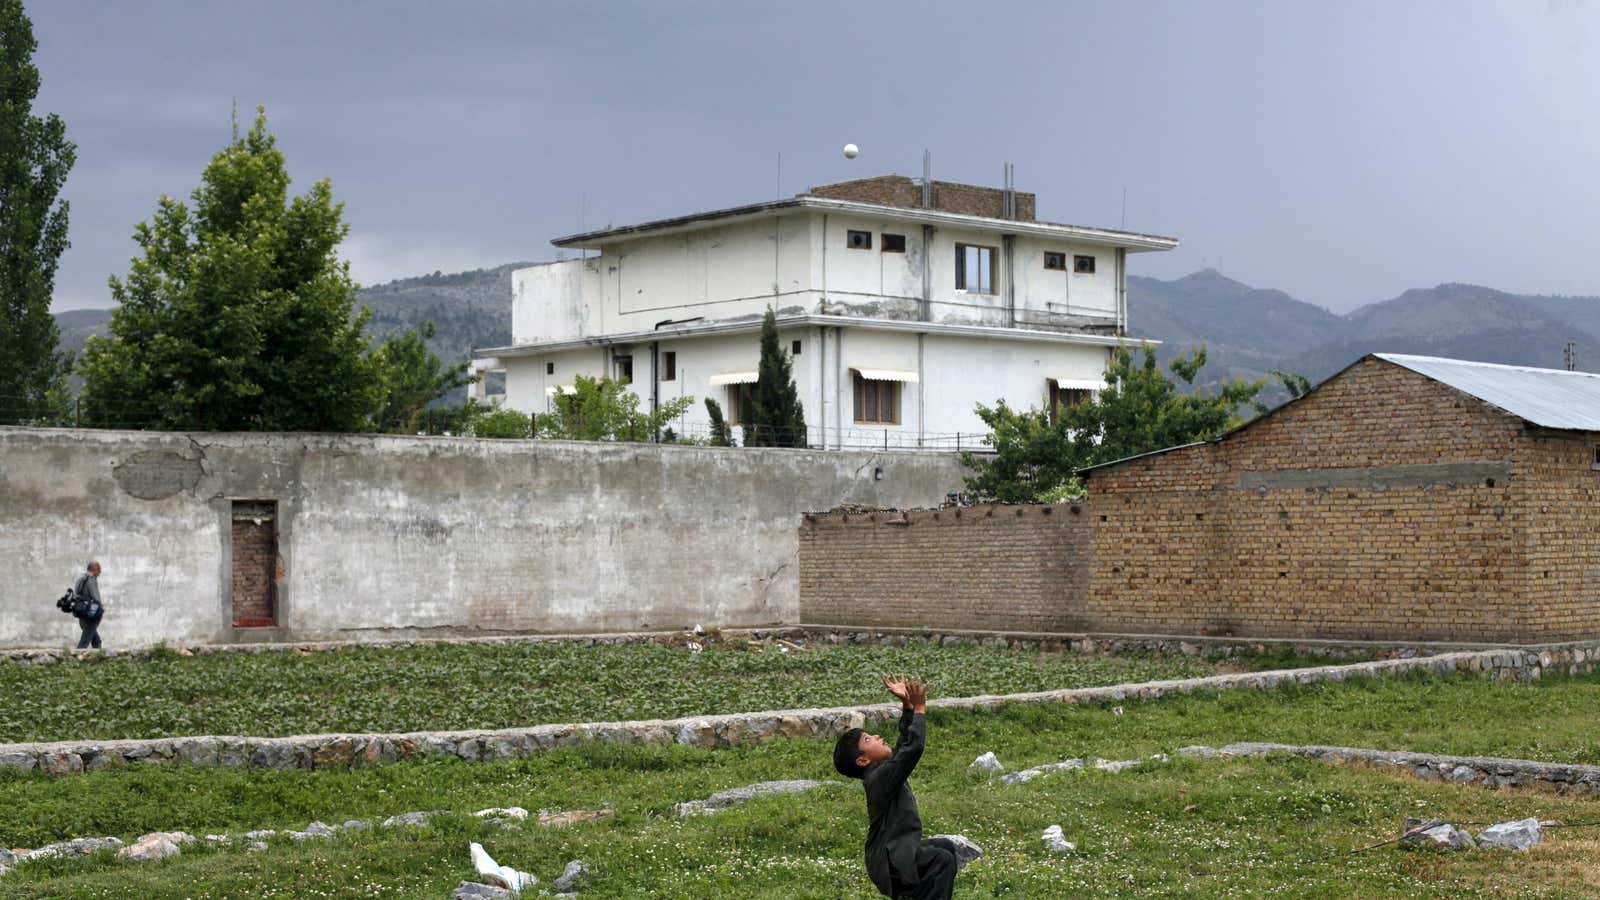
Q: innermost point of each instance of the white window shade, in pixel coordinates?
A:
(888, 375)
(735, 378)
(1078, 384)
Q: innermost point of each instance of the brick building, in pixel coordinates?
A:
(1405, 497)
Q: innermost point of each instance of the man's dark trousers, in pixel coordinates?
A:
(91, 637)
(936, 872)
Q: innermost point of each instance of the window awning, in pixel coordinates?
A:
(554, 389)
(1078, 384)
(888, 375)
(735, 378)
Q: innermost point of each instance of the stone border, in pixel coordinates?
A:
(1086, 642)
(345, 751)
(1488, 771)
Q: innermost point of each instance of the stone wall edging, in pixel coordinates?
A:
(1488, 771)
(1050, 641)
(344, 751)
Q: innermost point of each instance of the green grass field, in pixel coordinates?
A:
(440, 687)
(1187, 828)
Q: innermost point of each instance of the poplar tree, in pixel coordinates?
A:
(35, 157)
(239, 315)
(776, 417)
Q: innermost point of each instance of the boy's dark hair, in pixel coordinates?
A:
(845, 753)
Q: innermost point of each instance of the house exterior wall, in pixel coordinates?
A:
(956, 374)
(802, 262)
(985, 568)
(388, 535)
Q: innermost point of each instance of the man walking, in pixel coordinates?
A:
(88, 607)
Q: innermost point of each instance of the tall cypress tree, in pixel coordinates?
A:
(35, 156)
(777, 418)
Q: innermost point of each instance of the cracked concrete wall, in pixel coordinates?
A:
(386, 535)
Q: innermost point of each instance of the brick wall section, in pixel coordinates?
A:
(255, 562)
(1383, 506)
(949, 196)
(1190, 544)
(1007, 568)
(1557, 494)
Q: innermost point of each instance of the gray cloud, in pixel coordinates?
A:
(1342, 152)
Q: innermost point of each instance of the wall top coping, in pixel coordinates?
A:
(944, 515)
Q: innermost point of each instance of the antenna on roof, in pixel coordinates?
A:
(1124, 207)
(927, 179)
(1008, 196)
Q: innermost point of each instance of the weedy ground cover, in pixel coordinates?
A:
(1185, 828)
(458, 686)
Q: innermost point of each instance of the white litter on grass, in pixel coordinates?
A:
(1056, 841)
(988, 762)
(502, 876)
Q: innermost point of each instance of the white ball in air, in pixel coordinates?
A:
(850, 151)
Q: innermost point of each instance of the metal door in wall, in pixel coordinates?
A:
(255, 563)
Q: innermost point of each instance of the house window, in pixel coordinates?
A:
(794, 348)
(739, 397)
(1060, 398)
(894, 243)
(623, 367)
(975, 269)
(549, 368)
(858, 240)
(877, 402)
(1057, 261)
(1083, 265)
(1595, 462)
(669, 366)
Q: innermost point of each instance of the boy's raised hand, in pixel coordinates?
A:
(899, 686)
(916, 694)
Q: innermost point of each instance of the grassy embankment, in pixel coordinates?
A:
(441, 687)
(1241, 828)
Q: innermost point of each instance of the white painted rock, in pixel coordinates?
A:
(1519, 835)
(988, 762)
(501, 876)
(501, 815)
(153, 846)
(1055, 841)
(966, 850)
(1438, 834)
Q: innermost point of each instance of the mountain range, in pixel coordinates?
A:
(1248, 332)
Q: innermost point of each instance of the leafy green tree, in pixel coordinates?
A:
(413, 377)
(777, 418)
(504, 422)
(720, 435)
(603, 409)
(239, 315)
(1139, 410)
(35, 157)
(1296, 384)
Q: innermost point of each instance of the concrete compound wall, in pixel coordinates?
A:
(385, 535)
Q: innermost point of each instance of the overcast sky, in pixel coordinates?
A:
(1339, 151)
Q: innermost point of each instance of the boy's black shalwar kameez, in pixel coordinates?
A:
(899, 862)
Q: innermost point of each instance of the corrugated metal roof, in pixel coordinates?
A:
(1549, 398)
